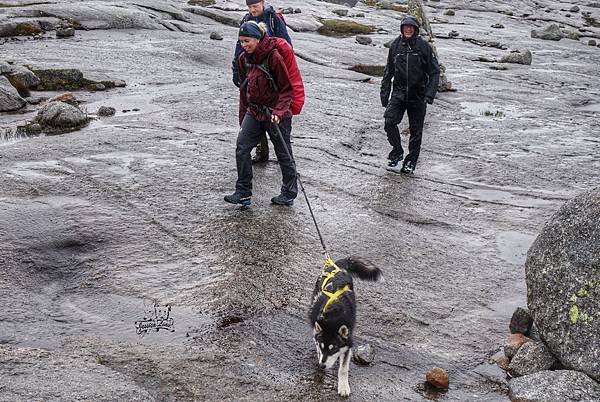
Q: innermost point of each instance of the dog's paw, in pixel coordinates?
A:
(343, 389)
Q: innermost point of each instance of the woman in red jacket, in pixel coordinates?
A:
(265, 100)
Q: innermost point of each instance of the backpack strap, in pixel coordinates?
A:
(264, 67)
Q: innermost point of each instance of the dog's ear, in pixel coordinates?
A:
(318, 328)
(343, 331)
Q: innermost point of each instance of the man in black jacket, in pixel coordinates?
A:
(415, 72)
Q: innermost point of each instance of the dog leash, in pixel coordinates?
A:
(327, 258)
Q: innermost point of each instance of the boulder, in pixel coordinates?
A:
(520, 321)
(347, 3)
(22, 79)
(560, 385)
(521, 56)
(551, 32)
(61, 117)
(106, 111)
(572, 35)
(9, 97)
(531, 358)
(562, 271)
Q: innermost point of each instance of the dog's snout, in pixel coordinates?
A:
(322, 366)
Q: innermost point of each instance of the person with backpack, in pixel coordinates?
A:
(415, 72)
(259, 12)
(266, 95)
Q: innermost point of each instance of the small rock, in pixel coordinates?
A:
(297, 11)
(364, 40)
(513, 343)
(498, 25)
(119, 83)
(453, 34)
(363, 355)
(449, 12)
(65, 32)
(341, 12)
(592, 42)
(360, 15)
(551, 32)
(531, 358)
(287, 10)
(106, 111)
(216, 36)
(30, 129)
(99, 87)
(568, 15)
(572, 35)
(574, 9)
(438, 378)
(520, 321)
(521, 56)
(35, 100)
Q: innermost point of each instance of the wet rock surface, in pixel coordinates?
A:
(9, 97)
(561, 385)
(98, 222)
(59, 116)
(530, 358)
(563, 280)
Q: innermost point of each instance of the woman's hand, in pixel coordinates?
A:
(275, 119)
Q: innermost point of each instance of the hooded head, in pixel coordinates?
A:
(407, 22)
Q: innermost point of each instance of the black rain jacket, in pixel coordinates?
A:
(414, 69)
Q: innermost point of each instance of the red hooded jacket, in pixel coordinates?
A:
(258, 91)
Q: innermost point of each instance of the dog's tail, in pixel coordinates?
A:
(361, 268)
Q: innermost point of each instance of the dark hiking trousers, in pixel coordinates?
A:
(416, 116)
(247, 139)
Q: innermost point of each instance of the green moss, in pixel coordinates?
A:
(372, 70)
(574, 314)
(334, 27)
(582, 292)
(27, 28)
(591, 21)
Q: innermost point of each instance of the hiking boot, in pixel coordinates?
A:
(408, 167)
(236, 198)
(282, 200)
(394, 160)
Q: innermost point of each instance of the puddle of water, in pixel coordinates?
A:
(125, 105)
(513, 246)
(485, 109)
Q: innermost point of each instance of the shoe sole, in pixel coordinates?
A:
(394, 169)
(243, 203)
(287, 204)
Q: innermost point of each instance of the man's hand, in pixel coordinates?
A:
(275, 119)
(429, 99)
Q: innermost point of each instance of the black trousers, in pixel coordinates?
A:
(248, 137)
(416, 116)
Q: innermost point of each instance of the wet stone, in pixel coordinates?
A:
(561, 385)
(106, 111)
(297, 11)
(592, 42)
(572, 35)
(216, 36)
(574, 9)
(498, 26)
(364, 40)
(453, 34)
(9, 97)
(65, 32)
(364, 354)
(503, 363)
(520, 56)
(520, 321)
(531, 358)
(449, 12)
(437, 378)
(551, 32)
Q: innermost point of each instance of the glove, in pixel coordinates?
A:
(236, 81)
(384, 102)
(429, 99)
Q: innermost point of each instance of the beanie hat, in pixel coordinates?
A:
(251, 30)
(250, 2)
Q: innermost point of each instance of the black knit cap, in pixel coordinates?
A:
(251, 30)
(250, 2)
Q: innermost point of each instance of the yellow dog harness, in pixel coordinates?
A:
(328, 275)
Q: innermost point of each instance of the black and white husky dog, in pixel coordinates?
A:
(333, 313)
